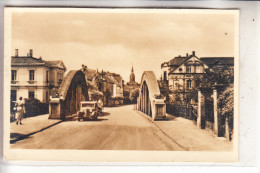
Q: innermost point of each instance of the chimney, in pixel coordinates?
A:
(31, 53)
(193, 53)
(187, 55)
(16, 52)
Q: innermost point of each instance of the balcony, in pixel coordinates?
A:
(31, 82)
(188, 75)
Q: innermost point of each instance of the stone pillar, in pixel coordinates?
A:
(201, 110)
(215, 101)
(55, 111)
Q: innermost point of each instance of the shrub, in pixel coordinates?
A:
(95, 95)
(133, 95)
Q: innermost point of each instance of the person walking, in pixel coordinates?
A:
(100, 106)
(19, 110)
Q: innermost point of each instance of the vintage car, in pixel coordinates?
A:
(88, 110)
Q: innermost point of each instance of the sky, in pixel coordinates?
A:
(115, 41)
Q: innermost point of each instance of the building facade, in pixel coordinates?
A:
(181, 72)
(110, 84)
(33, 78)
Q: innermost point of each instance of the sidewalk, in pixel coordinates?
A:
(187, 134)
(30, 126)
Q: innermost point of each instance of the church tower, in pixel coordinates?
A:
(132, 76)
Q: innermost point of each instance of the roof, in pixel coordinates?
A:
(32, 61)
(24, 60)
(177, 61)
(214, 60)
(114, 78)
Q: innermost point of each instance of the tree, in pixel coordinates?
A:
(126, 97)
(217, 75)
(164, 90)
(95, 95)
(226, 107)
(133, 95)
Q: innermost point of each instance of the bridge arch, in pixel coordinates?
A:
(150, 100)
(71, 92)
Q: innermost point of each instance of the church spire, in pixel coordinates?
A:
(132, 75)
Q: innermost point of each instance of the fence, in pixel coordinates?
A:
(188, 111)
(33, 109)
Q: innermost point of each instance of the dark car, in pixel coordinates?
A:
(88, 110)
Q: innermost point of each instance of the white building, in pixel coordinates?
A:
(181, 71)
(33, 77)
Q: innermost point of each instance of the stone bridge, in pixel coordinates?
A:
(150, 100)
(71, 92)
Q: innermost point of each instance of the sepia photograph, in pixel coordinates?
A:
(150, 85)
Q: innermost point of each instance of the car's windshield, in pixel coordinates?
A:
(88, 105)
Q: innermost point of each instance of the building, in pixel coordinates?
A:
(180, 73)
(33, 78)
(110, 84)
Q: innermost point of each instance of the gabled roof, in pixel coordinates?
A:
(177, 61)
(54, 62)
(114, 78)
(57, 63)
(214, 60)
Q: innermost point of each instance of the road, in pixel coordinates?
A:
(120, 128)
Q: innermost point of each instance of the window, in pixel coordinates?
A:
(188, 84)
(47, 96)
(164, 75)
(31, 95)
(47, 76)
(188, 69)
(14, 74)
(13, 95)
(195, 68)
(59, 76)
(31, 75)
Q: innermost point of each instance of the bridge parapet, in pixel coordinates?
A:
(150, 100)
(71, 92)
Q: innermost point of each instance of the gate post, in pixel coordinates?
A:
(215, 101)
(201, 109)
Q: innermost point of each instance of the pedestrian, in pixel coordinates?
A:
(100, 105)
(19, 110)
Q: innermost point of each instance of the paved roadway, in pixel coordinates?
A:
(120, 128)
